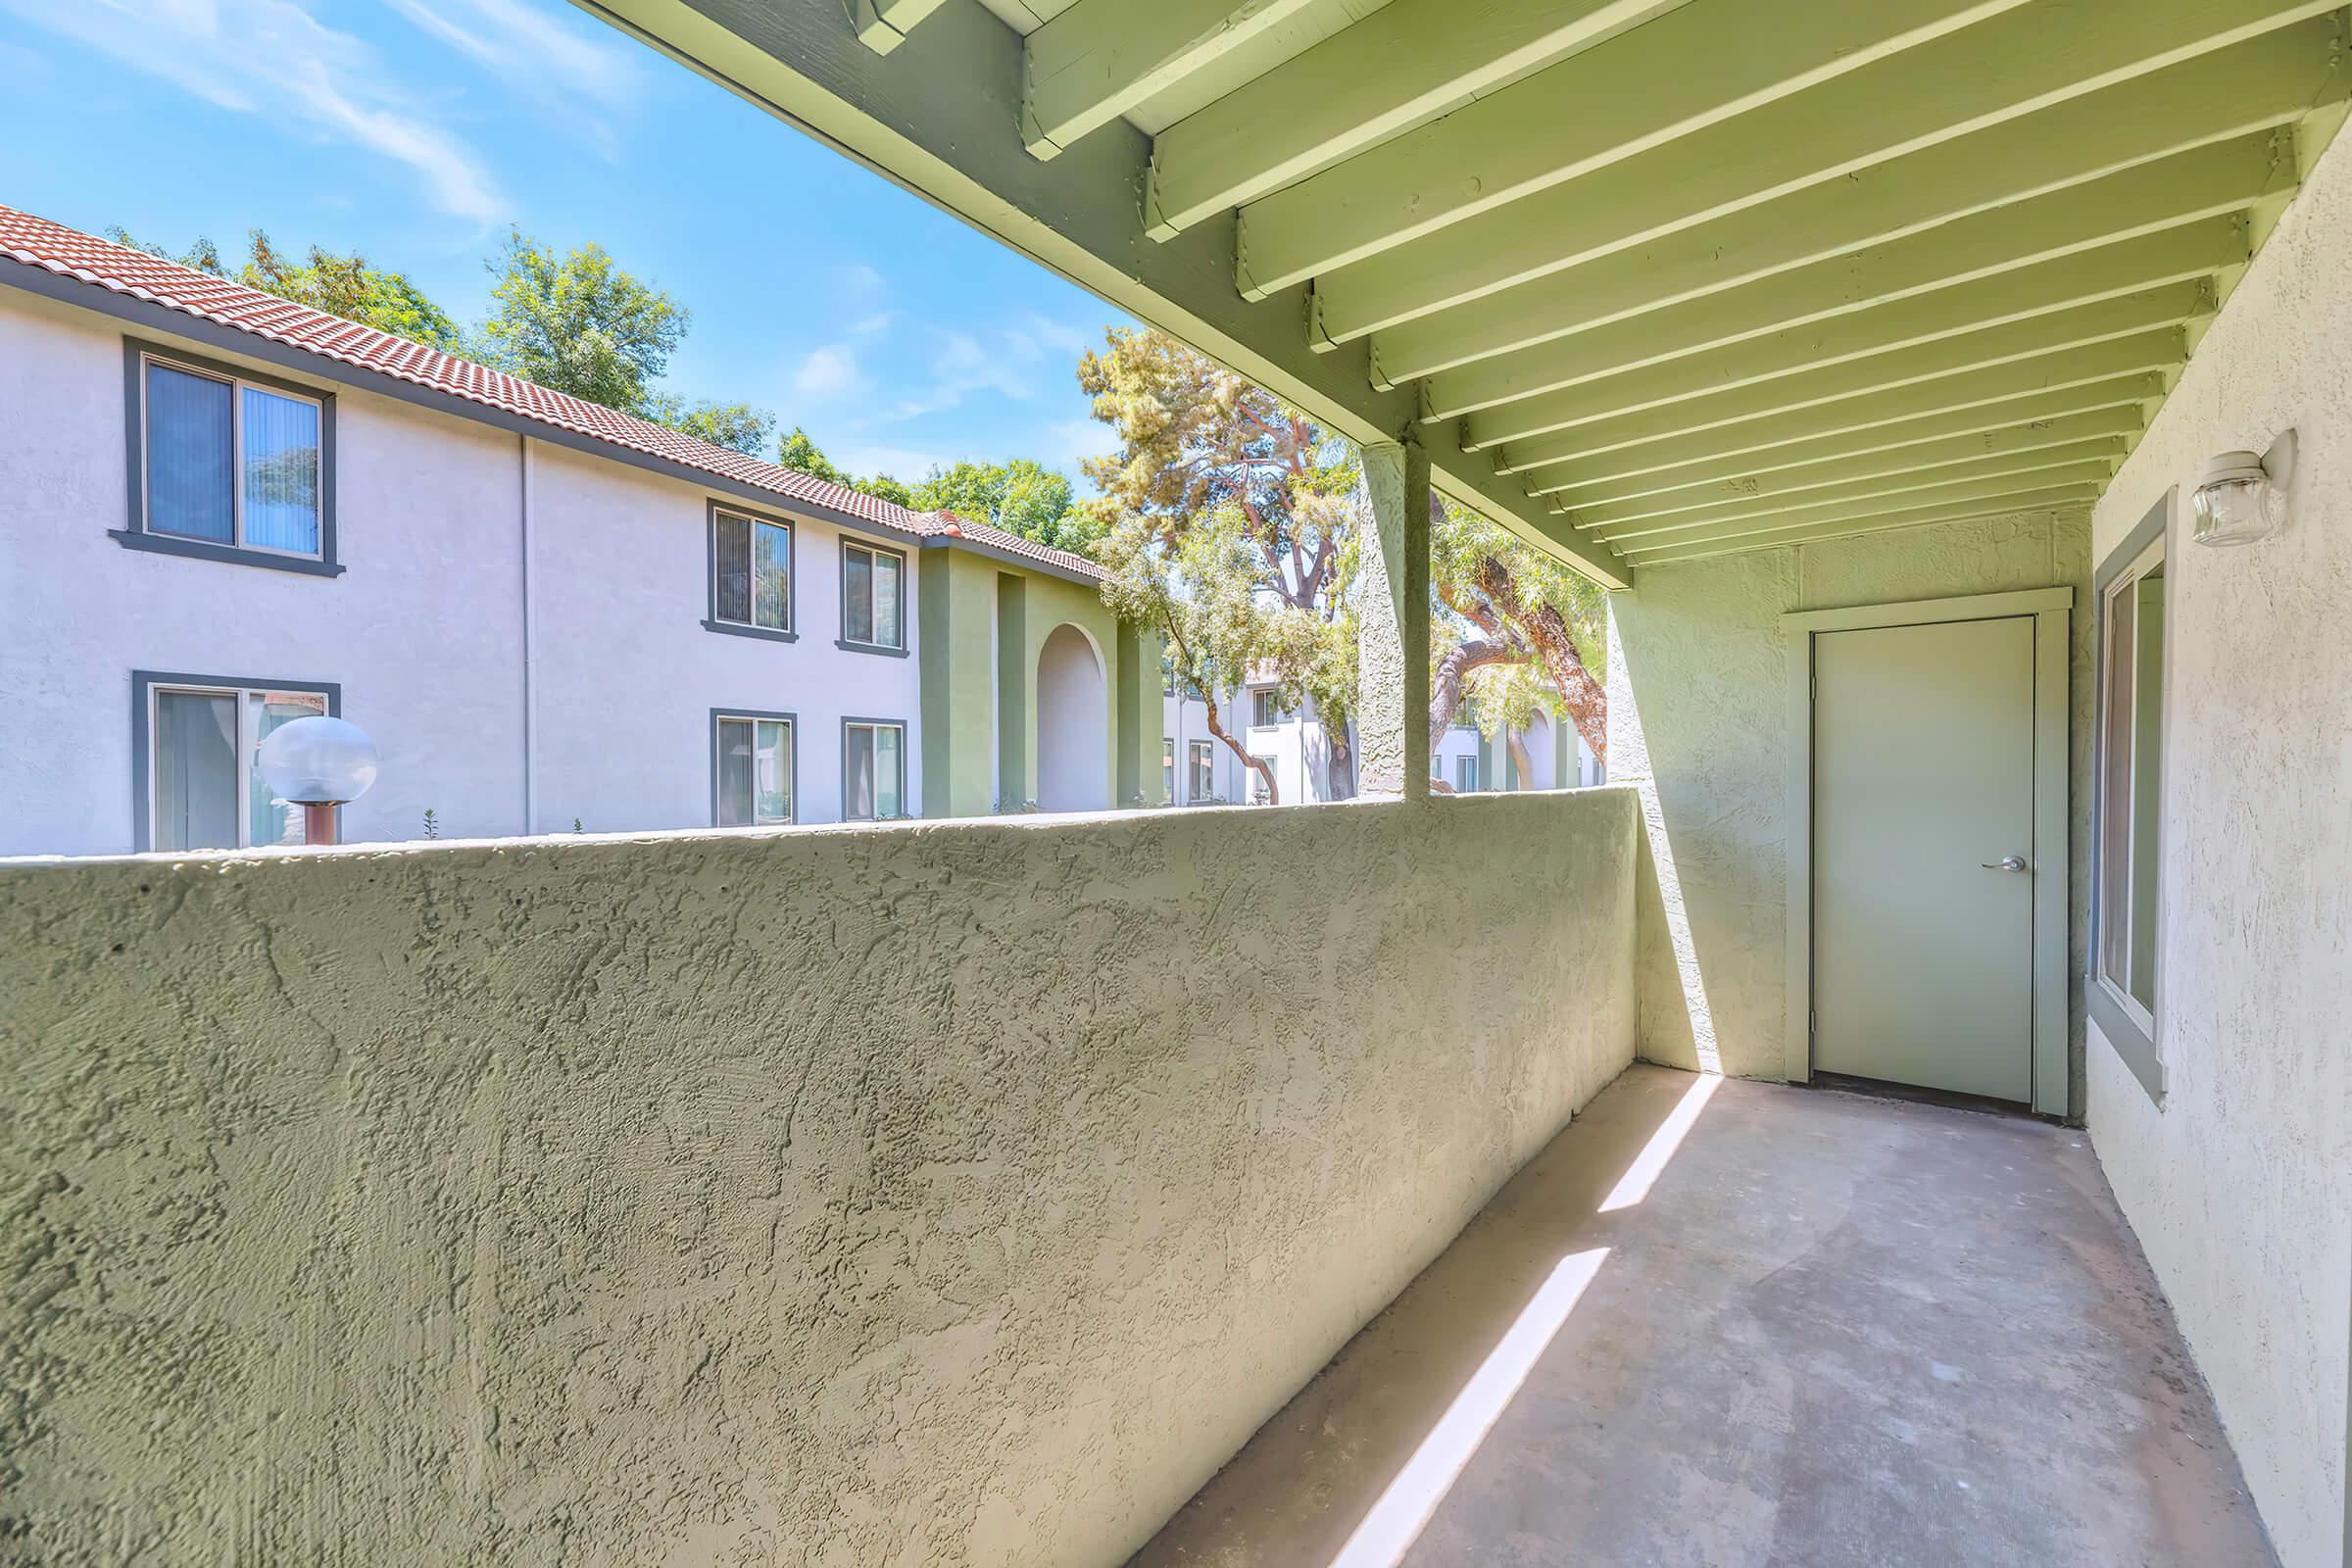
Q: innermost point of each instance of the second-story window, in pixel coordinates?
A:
(1263, 713)
(872, 596)
(751, 566)
(229, 462)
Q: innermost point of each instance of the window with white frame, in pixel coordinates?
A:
(228, 461)
(750, 573)
(872, 597)
(2129, 804)
(1167, 769)
(873, 770)
(751, 770)
(1263, 712)
(1465, 775)
(203, 782)
(1260, 791)
(1202, 761)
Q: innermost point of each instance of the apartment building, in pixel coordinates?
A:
(227, 510)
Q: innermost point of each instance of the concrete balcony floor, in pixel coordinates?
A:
(1719, 1323)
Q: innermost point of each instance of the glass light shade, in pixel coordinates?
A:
(2236, 501)
(317, 761)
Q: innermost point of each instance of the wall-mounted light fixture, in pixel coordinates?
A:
(2242, 497)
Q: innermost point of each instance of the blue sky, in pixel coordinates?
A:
(415, 130)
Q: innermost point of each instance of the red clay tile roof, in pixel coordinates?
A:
(54, 247)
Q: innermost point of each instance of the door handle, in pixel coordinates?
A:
(2007, 863)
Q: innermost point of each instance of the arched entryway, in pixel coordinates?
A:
(1073, 725)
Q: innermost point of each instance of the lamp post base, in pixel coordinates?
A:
(318, 823)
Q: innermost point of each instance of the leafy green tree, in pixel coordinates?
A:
(340, 285)
(736, 425)
(1231, 496)
(882, 487)
(578, 323)
(1235, 527)
(802, 455)
(1022, 496)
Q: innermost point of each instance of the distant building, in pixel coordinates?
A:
(227, 511)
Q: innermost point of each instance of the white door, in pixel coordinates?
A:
(1923, 856)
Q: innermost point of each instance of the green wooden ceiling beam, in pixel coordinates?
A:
(2005, 494)
(1101, 57)
(2059, 465)
(1714, 456)
(1695, 394)
(2073, 501)
(1601, 507)
(883, 25)
(2265, 82)
(1516, 144)
(1744, 333)
(2159, 350)
(2205, 181)
(1404, 64)
(1689, 69)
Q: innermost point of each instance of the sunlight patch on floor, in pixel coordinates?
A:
(1642, 1174)
(1397, 1519)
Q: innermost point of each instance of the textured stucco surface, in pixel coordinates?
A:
(2240, 1187)
(1698, 725)
(939, 1192)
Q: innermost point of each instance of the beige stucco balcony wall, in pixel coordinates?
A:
(924, 1194)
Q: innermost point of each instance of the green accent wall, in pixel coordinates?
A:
(983, 627)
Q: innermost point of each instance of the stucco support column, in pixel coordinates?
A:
(1393, 620)
(1016, 713)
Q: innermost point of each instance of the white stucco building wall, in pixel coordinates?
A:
(2239, 1183)
(426, 629)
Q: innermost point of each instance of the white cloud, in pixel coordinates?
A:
(1084, 438)
(532, 48)
(829, 371)
(273, 57)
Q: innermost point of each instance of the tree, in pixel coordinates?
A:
(1231, 498)
(1516, 613)
(577, 323)
(802, 455)
(737, 426)
(340, 285)
(1022, 496)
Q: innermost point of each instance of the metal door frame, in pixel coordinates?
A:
(2052, 610)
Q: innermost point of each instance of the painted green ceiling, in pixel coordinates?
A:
(1652, 279)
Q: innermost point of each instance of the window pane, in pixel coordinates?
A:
(2147, 748)
(282, 472)
(188, 457)
(195, 770)
(857, 782)
(772, 568)
(734, 551)
(885, 601)
(270, 822)
(734, 773)
(1167, 769)
(2115, 789)
(889, 775)
(774, 772)
(1204, 779)
(858, 596)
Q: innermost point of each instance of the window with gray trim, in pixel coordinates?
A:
(752, 769)
(873, 597)
(195, 770)
(226, 466)
(751, 571)
(873, 770)
(1465, 775)
(2129, 804)
(1201, 759)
